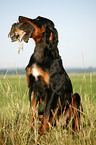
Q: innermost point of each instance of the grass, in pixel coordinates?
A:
(15, 114)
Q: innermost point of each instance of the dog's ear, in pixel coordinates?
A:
(53, 41)
(51, 37)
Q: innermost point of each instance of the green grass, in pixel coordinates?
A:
(15, 114)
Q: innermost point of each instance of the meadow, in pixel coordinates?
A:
(15, 128)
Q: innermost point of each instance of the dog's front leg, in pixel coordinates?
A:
(33, 104)
(46, 118)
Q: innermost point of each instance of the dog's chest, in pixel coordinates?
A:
(37, 71)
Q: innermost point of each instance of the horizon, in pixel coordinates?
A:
(13, 68)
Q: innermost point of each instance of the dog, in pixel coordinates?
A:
(46, 77)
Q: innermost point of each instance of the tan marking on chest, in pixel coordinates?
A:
(37, 71)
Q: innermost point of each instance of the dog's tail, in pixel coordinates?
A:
(77, 110)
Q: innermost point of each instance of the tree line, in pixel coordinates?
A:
(21, 71)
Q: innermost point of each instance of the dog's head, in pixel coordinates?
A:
(33, 28)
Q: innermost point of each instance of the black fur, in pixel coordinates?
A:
(58, 94)
(46, 55)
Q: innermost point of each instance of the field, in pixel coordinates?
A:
(15, 114)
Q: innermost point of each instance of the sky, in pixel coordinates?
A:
(75, 21)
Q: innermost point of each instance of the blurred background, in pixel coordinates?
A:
(75, 21)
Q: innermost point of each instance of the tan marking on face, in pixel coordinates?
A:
(37, 35)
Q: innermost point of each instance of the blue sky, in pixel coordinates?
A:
(75, 21)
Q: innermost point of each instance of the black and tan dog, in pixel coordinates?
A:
(46, 78)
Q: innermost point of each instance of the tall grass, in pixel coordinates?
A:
(15, 114)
